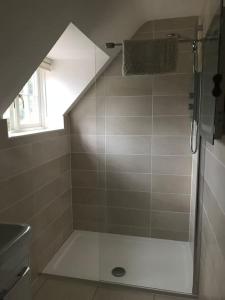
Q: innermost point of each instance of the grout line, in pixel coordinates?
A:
(117, 190)
(30, 143)
(41, 234)
(151, 150)
(213, 233)
(163, 211)
(152, 116)
(49, 204)
(95, 292)
(215, 157)
(134, 154)
(105, 171)
(35, 191)
(131, 154)
(132, 135)
(214, 195)
(35, 167)
(130, 172)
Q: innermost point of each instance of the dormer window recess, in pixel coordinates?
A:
(28, 112)
(68, 69)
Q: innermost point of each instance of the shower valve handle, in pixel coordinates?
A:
(217, 79)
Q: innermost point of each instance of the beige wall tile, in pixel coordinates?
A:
(129, 217)
(175, 165)
(170, 221)
(174, 23)
(128, 230)
(129, 125)
(87, 161)
(128, 181)
(171, 202)
(214, 175)
(84, 108)
(218, 149)
(129, 106)
(40, 221)
(125, 199)
(147, 27)
(128, 144)
(46, 245)
(128, 163)
(143, 36)
(87, 196)
(87, 143)
(212, 264)
(171, 126)
(174, 84)
(171, 184)
(22, 211)
(88, 125)
(171, 105)
(89, 179)
(46, 173)
(47, 150)
(15, 189)
(89, 213)
(90, 226)
(170, 235)
(215, 215)
(115, 68)
(15, 160)
(128, 86)
(170, 145)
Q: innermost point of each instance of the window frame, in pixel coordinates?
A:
(15, 125)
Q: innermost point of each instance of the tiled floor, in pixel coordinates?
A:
(58, 288)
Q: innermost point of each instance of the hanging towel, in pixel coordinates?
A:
(141, 57)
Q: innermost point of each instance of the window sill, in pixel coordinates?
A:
(32, 132)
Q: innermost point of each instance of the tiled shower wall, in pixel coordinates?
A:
(212, 192)
(131, 161)
(35, 189)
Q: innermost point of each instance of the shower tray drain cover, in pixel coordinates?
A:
(118, 272)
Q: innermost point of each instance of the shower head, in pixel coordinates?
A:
(111, 45)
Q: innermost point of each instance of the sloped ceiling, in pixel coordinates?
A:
(29, 29)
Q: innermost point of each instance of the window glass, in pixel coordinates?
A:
(28, 110)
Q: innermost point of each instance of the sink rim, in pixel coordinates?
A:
(25, 228)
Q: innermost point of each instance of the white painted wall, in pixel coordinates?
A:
(76, 61)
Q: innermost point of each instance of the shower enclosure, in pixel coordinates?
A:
(134, 177)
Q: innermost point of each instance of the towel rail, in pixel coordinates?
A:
(111, 45)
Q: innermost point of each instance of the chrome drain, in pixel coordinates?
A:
(118, 272)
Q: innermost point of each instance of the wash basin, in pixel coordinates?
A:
(14, 261)
(13, 238)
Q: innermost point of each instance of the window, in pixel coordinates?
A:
(28, 111)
